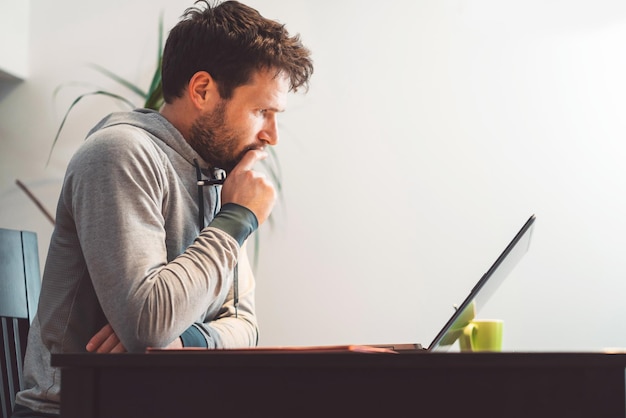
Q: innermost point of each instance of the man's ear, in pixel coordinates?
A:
(202, 90)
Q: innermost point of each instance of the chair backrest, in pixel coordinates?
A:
(20, 284)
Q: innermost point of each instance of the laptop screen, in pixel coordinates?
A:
(484, 289)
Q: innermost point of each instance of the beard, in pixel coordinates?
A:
(215, 141)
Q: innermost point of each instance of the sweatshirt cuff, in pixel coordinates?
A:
(236, 220)
(193, 337)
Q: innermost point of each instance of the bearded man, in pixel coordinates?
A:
(148, 247)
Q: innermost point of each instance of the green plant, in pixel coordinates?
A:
(152, 97)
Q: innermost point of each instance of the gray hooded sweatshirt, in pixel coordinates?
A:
(127, 249)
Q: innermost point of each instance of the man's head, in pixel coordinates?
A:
(230, 41)
(226, 73)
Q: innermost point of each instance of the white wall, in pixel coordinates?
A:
(431, 132)
(14, 31)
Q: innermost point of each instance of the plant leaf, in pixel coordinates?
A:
(74, 103)
(273, 165)
(257, 251)
(36, 201)
(155, 98)
(156, 78)
(274, 169)
(122, 81)
(66, 84)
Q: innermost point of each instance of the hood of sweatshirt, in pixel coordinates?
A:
(158, 127)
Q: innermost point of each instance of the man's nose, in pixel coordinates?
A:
(269, 134)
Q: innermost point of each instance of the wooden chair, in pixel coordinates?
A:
(20, 284)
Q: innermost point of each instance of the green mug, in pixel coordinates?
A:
(482, 335)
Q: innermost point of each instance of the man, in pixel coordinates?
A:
(141, 256)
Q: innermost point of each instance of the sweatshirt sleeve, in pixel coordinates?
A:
(238, 221)
(222, 332)
(114, 191)
(225, 331)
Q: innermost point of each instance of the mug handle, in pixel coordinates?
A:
(467, 339)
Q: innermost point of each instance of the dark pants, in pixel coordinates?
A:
(23, 412)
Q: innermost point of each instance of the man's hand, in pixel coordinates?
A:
(177, 343)
(250, 188)
(106, 341)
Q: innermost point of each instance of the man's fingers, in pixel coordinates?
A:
(119, 348)
(96, 341)
(109, 344)
(250, 158)
(250, 188)
(105, 341)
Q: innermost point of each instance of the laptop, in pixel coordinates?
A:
(478, 296)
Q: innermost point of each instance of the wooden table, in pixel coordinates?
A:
(291, 384)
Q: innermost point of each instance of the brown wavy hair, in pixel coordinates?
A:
(230, 41)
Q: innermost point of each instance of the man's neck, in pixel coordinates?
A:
(177, 115)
